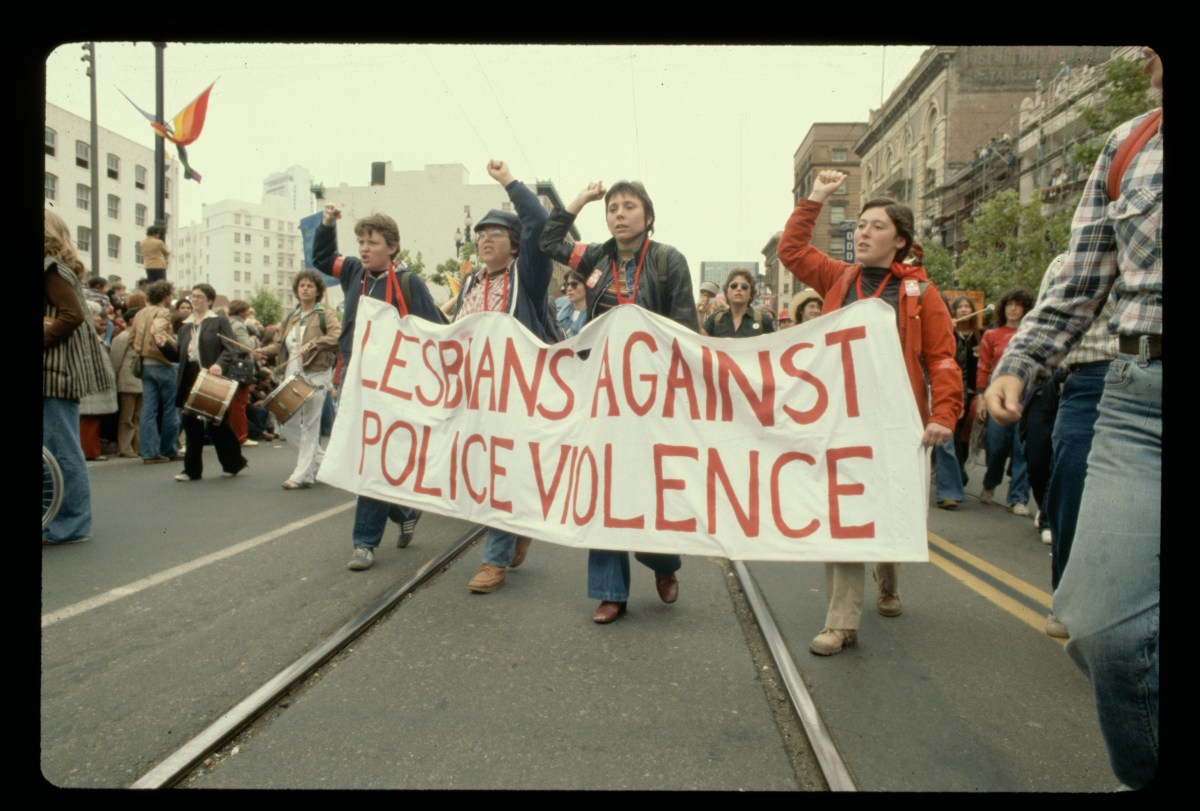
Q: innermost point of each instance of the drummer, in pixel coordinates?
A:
(309, 349)
(200, 347)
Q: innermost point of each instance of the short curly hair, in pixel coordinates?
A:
(313, 277)
(1021, 295)
(380, 224)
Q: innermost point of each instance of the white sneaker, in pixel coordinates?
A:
(1047, 536)
(1055, 628)
(361, 560)
(1019, 509)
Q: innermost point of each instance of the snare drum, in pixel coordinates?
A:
(210, 396)
(288, 397)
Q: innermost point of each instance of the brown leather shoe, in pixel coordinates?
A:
(607, 612)
(668, 587)
(487, 579)
(520, 552)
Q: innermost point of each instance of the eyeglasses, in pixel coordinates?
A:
(572, 284)
(489, 233)
(738, 286)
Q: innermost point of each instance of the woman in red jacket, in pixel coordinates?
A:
(882, 240)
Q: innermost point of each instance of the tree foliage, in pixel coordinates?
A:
(448, 269)
(268, 309)
(1010, 244)
(1126, 94)
(939, 266)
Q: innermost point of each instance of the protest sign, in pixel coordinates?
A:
(638, 434)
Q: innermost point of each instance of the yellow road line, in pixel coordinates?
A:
(1014, 583)
(987, 591)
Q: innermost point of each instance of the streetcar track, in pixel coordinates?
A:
(172, 769)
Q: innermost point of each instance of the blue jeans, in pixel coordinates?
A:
(1109, 593)
(949, 484)
(60, 433)
(158, 400)
(371, 517)
(499, 548)
(1072, 440)
(1002, 440)
(608, 572)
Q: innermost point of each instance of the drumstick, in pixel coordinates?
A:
(986, 309)
(235, 343)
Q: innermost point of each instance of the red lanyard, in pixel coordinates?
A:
(487, 281)
(878, 290)
(393, 284)
(636, 277)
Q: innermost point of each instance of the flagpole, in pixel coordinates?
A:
(160, 167)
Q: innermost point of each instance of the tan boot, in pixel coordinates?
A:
(487, 579)
(887, 596)
(832, 640)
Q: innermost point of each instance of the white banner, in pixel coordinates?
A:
(637, 434)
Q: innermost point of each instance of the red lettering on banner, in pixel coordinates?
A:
(789, 367)
(429, 364)
(450, 370)
(412, 455)
(660, 485)
(627, 374)
(422, 457)
(454, 467)
(580, 520)
(604, 382)
(832, 457)
(747, 519)
(367, 384)
(679, 376)
(570, 485)
(547, 496)
(497, 470)
(368, 416)
(710, 388)
(512, 365)
(777, 497)
(485, 369)
(570, 404)
(394, 361)
(844, 337)
(763, 404)
(473, 439)
(610, 520)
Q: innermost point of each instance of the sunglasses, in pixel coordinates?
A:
(572, 284)
(739, 286)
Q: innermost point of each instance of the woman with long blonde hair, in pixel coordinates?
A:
(72, 367)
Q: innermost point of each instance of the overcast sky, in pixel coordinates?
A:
(711, 130)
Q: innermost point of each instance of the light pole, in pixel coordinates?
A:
(89, 56)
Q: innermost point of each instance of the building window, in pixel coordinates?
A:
(266, 278)
(166, 187)
(83, 196)
(51, 187)
(266, 223)
(266, 260)
(83, 155)
(51, 142)
(114, 166)
(139, 176)
(237, 275)
(839, 156)
(83, 239)
(237, 257)
(114, 207)
(842, 188)
(837, 214)
(237, 219)
(237, 237)
(137, 253)
(266, 242)
(139, 214)
(114, 246)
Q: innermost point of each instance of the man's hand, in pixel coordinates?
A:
(331, 214)
(1003, 399)
(499, 172)
(591, 192)
(215, 369)
(935, 434)
(827, 182)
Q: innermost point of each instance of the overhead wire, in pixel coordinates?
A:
(503, 112)
(454, 98)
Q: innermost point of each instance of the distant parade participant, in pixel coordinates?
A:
(572, 318)
(742, 320)
(155, 253)
(374, 274)
(514, 279)
(628, 269)
(158, 427)
(882, 241)
(806, 305)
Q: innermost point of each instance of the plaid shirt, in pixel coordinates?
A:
(1115, 247)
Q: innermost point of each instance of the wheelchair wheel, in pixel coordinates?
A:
(52, 487)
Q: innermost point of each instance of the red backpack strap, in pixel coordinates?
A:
(1129, 149)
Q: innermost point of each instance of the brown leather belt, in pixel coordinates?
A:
(1146, 347)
